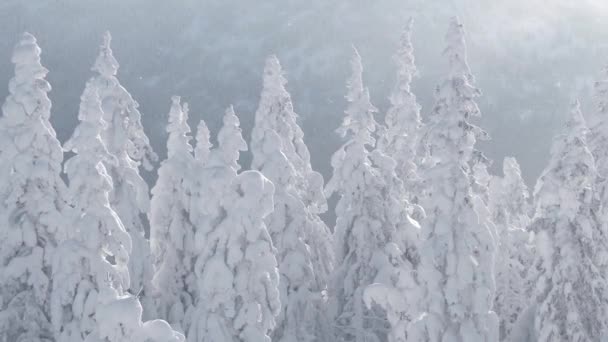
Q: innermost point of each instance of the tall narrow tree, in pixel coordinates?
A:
(32, 199)
(457, 256)
(90, 268)
(81, 267)
(509, 207)
(366, 226)
(571, 291)
(125, 138)
(280, 154)
(171, 229)
(400, 137)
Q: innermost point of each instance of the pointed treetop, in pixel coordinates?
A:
(273, 72)
(576, 124)
(359, 121)
(28, 88)
(230, 139)
(355, 82)
(456, 50)
(404, 58)
(510, 167)
(203, 143)
(106, 64)
(27, 51)
(571, 169)
(178, 128)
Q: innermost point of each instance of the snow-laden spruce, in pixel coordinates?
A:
(81, 268)
(125, 138)
(32, 199)
(230, 141)
(395, 287)
(510, 207)
(90, 268)
(302, 240)
(372, 228)
(275, 111)
(399, 138)
(457, 256)
(236, 269)
(171, 230)
(571, 291)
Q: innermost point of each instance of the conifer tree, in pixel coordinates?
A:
(509, 207)
(368, 225)
(32, 200)
(90, 268)
(125, 138)
(400, 137)
(236, 269)
(571, 291)
(457, 255)
(280, 154)
(96, 254)
(171, 229)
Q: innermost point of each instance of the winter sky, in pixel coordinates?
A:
(530, 58)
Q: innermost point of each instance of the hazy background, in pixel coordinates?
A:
(530, 58)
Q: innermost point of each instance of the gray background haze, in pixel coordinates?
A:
(530, 58)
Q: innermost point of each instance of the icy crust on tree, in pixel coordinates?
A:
(236, 269)
(571, 290)
(280, 154)
(32, 199)
(125, 138)
(399, 137)
(510, 207)
(372, 230)
(457, 255)
(171, 229)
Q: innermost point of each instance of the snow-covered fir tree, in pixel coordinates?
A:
(203, 143)
(171, 229)
(571, 291)
(280, 154)
(90, 269)
(125, 138)
(81, 267)
(400, 137)
(369, 224)
(510, 207)
(395, 286)
(457, 255)
(236, 268)
(32, 200)
(230, 140)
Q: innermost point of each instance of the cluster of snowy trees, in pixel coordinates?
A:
(428, 246)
